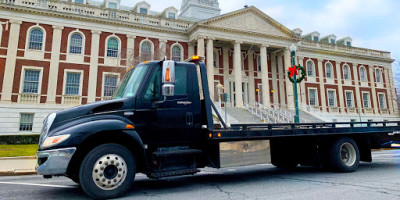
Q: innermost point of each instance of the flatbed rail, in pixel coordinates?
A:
(267, 131)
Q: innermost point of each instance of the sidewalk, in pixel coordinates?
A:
(17, 166)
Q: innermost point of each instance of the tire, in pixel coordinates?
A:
(343, 155)
(107, 171)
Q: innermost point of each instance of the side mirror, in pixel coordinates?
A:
(168, 78)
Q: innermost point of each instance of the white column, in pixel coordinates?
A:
(54, 64)
(10, 60)
(225, 58)
(321, 85)
(392, 91)
(130, 51)
(200, 46)
(94, 59)
(357, 87)
(191, 50)
(264, 75)
(252, 94)
(289, 85)
(373, 91)
(340, 87)
(210, 66)
(281, 72)
(162, 48)
(388, 90)
(302, 92)
(237, 66)
(274, 78)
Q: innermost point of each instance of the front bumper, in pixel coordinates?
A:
(54, 162)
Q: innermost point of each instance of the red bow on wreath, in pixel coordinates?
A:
(293, 70)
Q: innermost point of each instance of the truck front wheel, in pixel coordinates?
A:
(107, 171)
(344, 155)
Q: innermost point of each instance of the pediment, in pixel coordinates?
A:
(250, 20)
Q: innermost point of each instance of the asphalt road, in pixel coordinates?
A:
(377, 180)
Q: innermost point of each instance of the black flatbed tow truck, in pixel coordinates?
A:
(160, 123)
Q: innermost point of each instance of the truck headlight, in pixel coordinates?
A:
(48, 121)
(54, 140)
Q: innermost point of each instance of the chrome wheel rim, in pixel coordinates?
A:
(348, 154)
(109, 171)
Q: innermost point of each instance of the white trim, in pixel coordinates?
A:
(313, 65)
(352, 98)
(384, 99)
(180, 46)
(365, 73)
(69, 42)
(381, 75)
(28, 34)
(334, 97)
(106, 46)
(104, 77)
(152, 48)
(80, 81)
(21, 83)
(369, 99)
(316, 96)
(1, 32)
(332, 71)
(349, 72)
(19, 122)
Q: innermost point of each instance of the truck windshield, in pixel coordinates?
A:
(131, 82)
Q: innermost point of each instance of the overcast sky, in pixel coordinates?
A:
(373, 24)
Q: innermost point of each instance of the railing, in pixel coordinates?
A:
(368, 110)
(316, 112)
(230, 120)
(255, 111)
(71, 100)
(28, 98)
(95, 11)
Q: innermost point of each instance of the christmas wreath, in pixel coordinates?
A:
(295, 69)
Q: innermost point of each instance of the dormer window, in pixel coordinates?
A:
(348, 43)
(143, 11)
(316, 38)
(112, 5)
(171, 15)
(332, 41)
(79, 1)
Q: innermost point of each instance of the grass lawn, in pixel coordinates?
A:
(18, 150)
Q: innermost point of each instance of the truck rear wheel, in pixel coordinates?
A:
(344, 155)
(107, 171)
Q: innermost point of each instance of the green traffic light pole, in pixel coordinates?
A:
(296, 100)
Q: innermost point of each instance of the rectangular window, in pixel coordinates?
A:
(349, 99)
(382, 101)
(348, 44)
(112, 5)
(312, 96)
(365, 97)
(331, 98)
(332, 41)
(72, 84)
(316, 39)
(171, 15)
(79, 1)
(110, 83)
(26, 122)
(143, 11)
(180, 80)
(31, 81)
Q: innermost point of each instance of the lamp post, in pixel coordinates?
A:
(293, 49)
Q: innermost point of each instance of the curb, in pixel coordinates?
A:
(18, 172)
(18, 158)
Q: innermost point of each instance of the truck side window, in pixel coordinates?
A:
(180, 80)
(154, 87)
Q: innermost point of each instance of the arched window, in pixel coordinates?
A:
(346, 72)
(36, 39)
(75, 44)
(146, 51)
(112, 47)
(328, 70)
(363, 74)
(176, 53)
(378, 75)
(310, 68)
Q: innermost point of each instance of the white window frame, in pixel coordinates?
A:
(332, 71)
(1, 32)
(104, 78)
(83, 42)
(176, 44)
(19, 122)
(369, 99)
(106, 46)
(316, 96)
(365, 74)
(334, 97)
(344, 77)
(21, 84)
(84, 1)
(384, 101)
(28, 35)
(168, 15)
(80, 81)
(151, 45)
(380, 77)
(352, 98)
(313, 68)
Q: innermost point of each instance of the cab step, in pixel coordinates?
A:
(174, 173)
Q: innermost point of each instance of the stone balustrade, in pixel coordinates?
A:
(28, 98)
